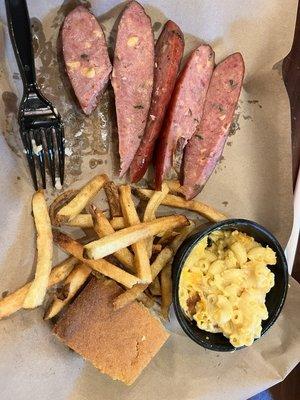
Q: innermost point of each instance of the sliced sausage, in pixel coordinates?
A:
(168, 54)
(206, 146)
(132, 79)
(86, 57)
(185, 109)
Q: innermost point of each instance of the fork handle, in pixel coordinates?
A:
(21, 38)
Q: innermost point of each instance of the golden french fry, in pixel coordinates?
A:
(183, 234)
(146, 300)
(141, 259)
(103, 228)
(86, 194)
(174, 186)
(170, 200)
(104, 267)
(118, 223)
(155, 288)
(152, 206)
(112, 194)
(81, 221)
(167, 237)
(166, 290)
(86, 221)
(58, 203)
(154, 202)
(127, 297)
(156, 248)
(36, 293)
(14, 301)
(126, 237)
(73, 283)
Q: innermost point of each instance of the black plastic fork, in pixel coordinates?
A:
(41, 127)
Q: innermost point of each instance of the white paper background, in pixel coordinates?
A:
(253, 181)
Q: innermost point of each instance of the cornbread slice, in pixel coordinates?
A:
(119, 343)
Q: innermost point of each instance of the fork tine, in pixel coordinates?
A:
(37, 135)
(30, 157)
(50, 152)
(59, 132)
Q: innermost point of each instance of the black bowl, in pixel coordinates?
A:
(274, 299)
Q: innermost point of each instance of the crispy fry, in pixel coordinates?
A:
(183, 234)
(112, 194)
(75, 206)
(204, 210)
(38, 288)
(117, 223)
(141, 258)
(155, 288)
(86, 221)
(106, 268)
(160, 262)
(152, 206)
(103, 228)
(167, 237)
(126, 237)
(154, 202)
(174, 186)
(156, 248)
(166, 290)
(81, 221)
(73, 283)
(146, 300)
(127, 297)
(58, 203)
(14, 301)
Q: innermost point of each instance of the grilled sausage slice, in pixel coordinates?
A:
(86, 57)
(168, 54)
(206, 146)
(132, 79)
(185, 110)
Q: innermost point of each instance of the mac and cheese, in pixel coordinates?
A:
(223, 285)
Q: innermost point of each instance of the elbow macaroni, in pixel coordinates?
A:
(227, 274)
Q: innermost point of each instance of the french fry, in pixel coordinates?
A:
(154, 202)
(86, 221)
(156, 248)
(112, 194)
(72, 284)
(170, 200)
(81, 221)
(126, 237)
(183, 234)
(14, 301)
(117, 223)
(166, 290)
(141, 257)
(150, 210)
(38, 288)
(174, 186)
(104, 267)
(103, 228)
(58, 203)
(86, 194)
(155, 288)
(167, 237)
(146, 300)
(130, 295)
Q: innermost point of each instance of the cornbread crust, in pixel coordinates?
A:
(119, 343)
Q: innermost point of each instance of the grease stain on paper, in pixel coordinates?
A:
(254, 102)
(11, 130)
